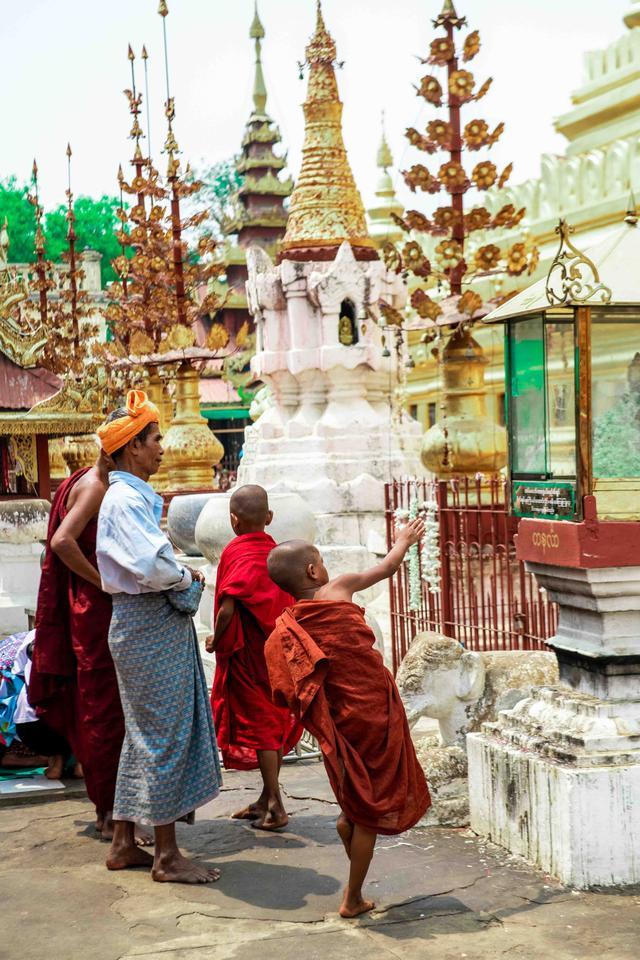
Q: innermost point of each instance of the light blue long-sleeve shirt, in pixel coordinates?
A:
(134, 555)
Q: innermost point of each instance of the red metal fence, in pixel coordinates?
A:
(486, 600)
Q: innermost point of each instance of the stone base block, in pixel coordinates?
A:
(557, 781)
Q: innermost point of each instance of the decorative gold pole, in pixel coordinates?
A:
(191, 449)
(82, 450)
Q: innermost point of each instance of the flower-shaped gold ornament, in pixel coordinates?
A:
(469, 303)
(517, 260)
(508, 216)
(453, 177)
(475, 134)
(484, 174)
(425, 307)
(415, 220)
(441, 50)
(391, 257)
(431, 90)
(415, 260)
(471, 46)
(506, 173)
(450, 253)
(417, 139)
(446, 218)
(218, 337)
(487, 257)
(440, 132)
(477, 219)
(462, 84)
(484, 89)
(534, 260)
(495, 136)
(418, 177)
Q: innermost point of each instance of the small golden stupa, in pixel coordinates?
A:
(326, 207)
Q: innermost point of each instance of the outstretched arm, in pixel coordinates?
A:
(343, 587)
(64, 542)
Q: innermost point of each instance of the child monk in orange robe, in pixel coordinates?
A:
(323, 665)
(251, 730)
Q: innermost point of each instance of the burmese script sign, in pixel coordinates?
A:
(545, 499)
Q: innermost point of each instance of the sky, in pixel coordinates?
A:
(64, 67)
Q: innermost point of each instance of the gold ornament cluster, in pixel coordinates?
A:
(456, 90)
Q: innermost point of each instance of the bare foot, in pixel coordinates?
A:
(77, 773)
(142, 838)
(345, 832)
(255, 811)
(124, 858)
(353, 908)
(179, 869)
(272, 821)
(55, 768)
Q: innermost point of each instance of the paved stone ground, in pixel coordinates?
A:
(440, 893)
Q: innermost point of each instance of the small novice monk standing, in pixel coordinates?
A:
(252, 731)
(323, 665)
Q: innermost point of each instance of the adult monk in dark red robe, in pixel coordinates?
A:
(251, 730)
(322, 664)
(73, 681)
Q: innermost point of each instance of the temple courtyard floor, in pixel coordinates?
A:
(440, 893)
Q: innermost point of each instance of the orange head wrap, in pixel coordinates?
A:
(140, 412)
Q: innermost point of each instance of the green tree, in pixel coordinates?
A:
(220, 183)
(96, 226)
(19, 213)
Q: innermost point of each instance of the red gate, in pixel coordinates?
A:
(486, 599)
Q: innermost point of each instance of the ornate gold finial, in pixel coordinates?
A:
(130, 54)
(385, 157)
(326, 208)
(448, 16)
(163, 9)
(259, 87)
(566, 282)
(257, 30)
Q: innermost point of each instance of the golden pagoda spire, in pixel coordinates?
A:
(326, 207)
(259, 87)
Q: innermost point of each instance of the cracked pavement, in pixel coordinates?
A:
(440, 893)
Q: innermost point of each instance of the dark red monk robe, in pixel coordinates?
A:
(245, 717)
(73, 682)
(321, 663)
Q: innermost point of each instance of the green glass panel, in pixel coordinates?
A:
(615, 402)
(527, 403)
(561, 399)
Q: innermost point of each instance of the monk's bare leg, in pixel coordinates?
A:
(362, 844)
(169, 866)
(124, 851)
(259, 809)
(275, 816)
(344, 827)
(104, 826)
(55, 767)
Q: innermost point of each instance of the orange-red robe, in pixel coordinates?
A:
(73, 682)
(245, 716)
(322, 663)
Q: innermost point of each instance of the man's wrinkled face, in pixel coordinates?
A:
(149, 451)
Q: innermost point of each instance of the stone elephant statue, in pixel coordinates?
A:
(462, 689)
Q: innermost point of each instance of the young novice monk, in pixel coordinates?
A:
(322, 664)
(252, 731)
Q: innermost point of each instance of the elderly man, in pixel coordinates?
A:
(169, 763)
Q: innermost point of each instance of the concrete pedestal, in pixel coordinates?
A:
(557, 779)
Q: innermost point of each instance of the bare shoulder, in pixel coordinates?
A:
(89, 493)
(341, 588)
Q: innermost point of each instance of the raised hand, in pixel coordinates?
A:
(411, 533)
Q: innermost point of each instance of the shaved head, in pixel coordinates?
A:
(250, 504)
(288, 563)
